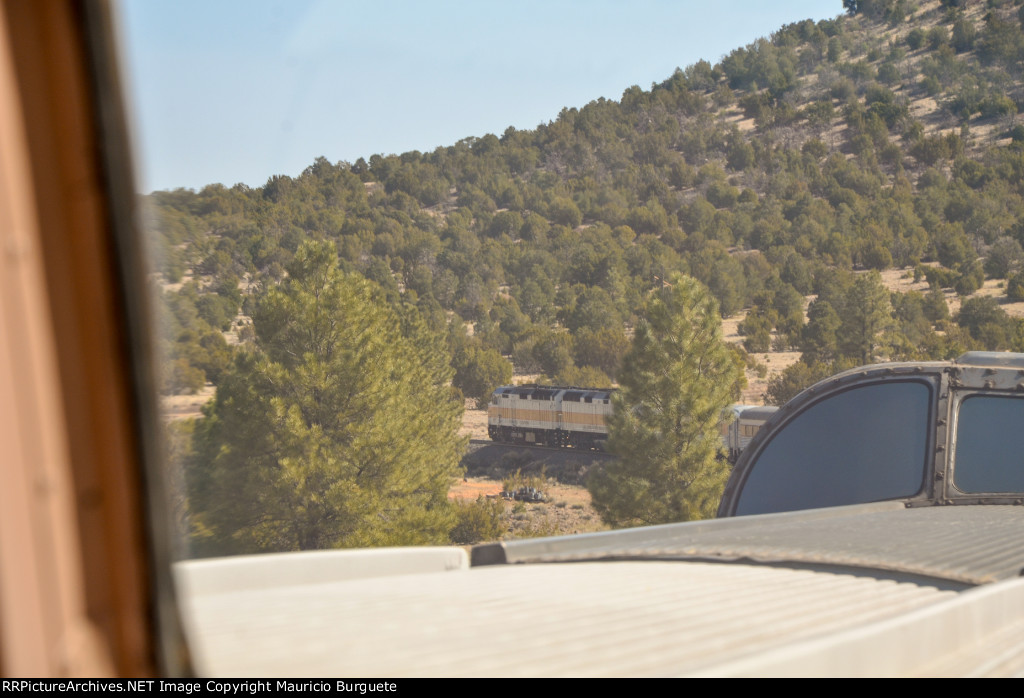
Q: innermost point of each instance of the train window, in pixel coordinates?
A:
(862, 445)
(989, 442)
(397, 220)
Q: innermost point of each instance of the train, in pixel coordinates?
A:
(746, 421)
(549, 415)
(573, 417)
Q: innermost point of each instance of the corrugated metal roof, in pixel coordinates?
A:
(588, 619)
(826, 607)
(973, 544)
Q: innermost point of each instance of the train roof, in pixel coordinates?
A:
(549, 391)
(759, 412)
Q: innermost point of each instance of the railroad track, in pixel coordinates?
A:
(487, 442)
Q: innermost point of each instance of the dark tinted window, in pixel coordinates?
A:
(862, 445)
(990, 445)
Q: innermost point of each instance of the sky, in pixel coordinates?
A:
(236, 91)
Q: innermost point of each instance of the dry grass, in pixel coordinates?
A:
(567, 509)
(474, 422)
(176, 407)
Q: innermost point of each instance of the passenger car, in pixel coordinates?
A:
(746, 422)
(85, 588)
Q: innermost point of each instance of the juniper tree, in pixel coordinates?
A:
(338, 429)
(675, 385)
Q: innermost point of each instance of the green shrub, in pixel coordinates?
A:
(479, 521)
(518, 479)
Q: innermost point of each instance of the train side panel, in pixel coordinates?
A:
(525, 414)
(584, 417)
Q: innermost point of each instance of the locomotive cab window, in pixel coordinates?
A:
(864, 444)
(989, 444)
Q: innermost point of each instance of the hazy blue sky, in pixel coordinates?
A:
(237, 90)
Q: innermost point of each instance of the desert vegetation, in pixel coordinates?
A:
(785, 179)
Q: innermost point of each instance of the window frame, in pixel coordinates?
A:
(953, 489)
(89, 589)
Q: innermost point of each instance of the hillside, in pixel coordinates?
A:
(884, 140)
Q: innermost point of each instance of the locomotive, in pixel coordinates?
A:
(571, 417)
(550, 415)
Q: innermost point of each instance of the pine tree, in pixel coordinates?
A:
(866, 316)
(338, 430)
(676, 382)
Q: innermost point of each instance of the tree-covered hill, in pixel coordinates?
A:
(884, 138)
